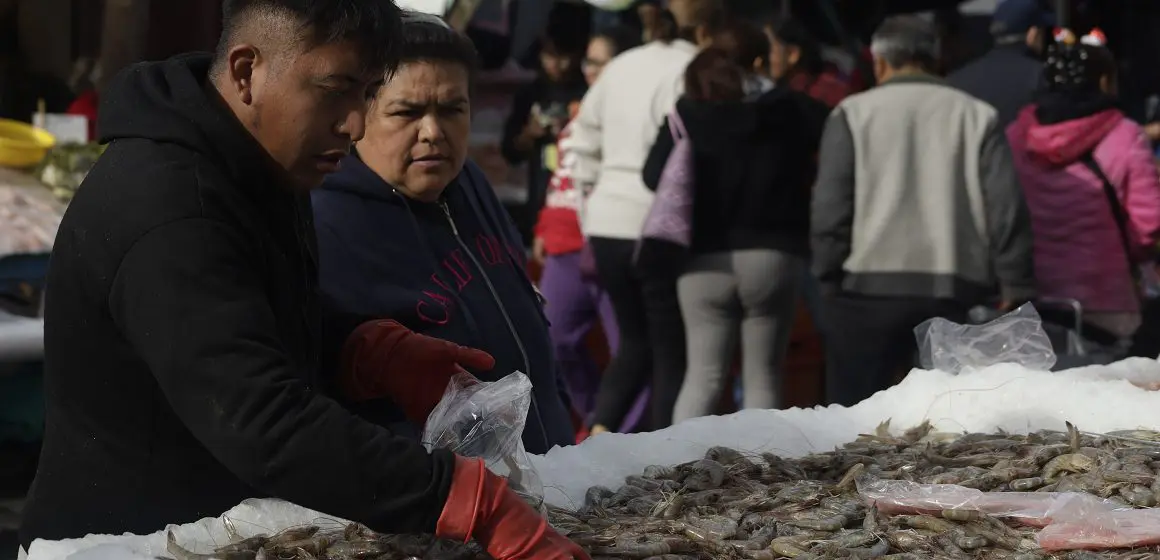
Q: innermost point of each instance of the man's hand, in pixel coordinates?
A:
(385, 359)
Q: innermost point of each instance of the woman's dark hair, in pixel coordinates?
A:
(1077, 68)
(714, 75)
(791, 32)
(743, 42)
(426, 38)
(666, 31)
(620, 37)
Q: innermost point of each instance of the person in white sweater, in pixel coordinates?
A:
(611, 138)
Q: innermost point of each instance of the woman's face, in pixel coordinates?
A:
(556, 64)
(417, 130)
(599, 53)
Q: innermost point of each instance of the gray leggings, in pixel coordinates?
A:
(749, 295)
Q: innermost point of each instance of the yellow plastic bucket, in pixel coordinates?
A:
(22, 145)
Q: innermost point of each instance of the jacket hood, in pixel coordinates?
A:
(170, 102)
(354, 177)
(1065, 142)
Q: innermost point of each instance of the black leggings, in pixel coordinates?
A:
(652, 335)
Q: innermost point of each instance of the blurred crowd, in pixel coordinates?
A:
(699, 178)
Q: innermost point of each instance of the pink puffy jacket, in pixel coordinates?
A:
(1078, 249)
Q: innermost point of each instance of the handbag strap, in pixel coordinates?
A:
(1118, 213)
(676, 125)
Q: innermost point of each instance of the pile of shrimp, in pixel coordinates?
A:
(731, 505)
(311, 542)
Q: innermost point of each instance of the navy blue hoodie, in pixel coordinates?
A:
(452, 270)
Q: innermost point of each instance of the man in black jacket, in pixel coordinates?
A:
(1009, 76)
(182, 332)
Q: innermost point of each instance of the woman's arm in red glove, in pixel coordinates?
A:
(385, 359)
(481, 506)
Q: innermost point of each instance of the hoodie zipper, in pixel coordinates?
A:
(503, 310)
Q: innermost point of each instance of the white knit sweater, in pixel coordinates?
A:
(615, 129)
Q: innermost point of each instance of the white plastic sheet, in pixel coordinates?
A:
(250, 517)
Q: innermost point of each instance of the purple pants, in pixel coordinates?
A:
(573, 307)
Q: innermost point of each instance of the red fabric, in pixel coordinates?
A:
(560, 230)
(385, 359)
(559, 221)
(480, 505)
(86, 105)
(826, 87)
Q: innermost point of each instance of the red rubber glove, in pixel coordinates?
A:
(385, 359)
(481, 505)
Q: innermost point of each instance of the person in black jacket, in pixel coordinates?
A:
(183, 335)
(1009, 76)
(753, 162)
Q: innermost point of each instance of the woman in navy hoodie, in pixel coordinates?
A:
(408, 229)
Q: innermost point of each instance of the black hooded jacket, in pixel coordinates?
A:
(183, 338)
(754, 164)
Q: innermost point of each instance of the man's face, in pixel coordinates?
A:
(306, 108)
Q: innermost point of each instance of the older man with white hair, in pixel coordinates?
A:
(917, 213)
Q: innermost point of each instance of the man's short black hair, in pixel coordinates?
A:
(373, 25)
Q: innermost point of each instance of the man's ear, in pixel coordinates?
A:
(240, 63)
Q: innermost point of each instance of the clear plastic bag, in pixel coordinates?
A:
(1015, 338)
(1124, 528)
(1037, 509)
(1068, 520)
(486, 420)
